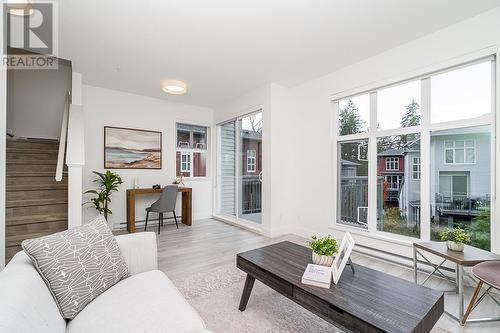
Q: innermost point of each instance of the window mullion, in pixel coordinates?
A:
(425, 161)
(372, 165)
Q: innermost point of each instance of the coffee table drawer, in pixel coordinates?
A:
(331, 313)
(265, 277)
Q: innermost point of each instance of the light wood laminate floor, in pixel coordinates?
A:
(210, 243)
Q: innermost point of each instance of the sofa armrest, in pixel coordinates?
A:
(139, 250)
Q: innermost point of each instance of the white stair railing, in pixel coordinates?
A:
(62, 140)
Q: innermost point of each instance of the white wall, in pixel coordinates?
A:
(312, 209)
(103, 107)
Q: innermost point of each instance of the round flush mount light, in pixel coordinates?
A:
(20, 8)
(174, 87)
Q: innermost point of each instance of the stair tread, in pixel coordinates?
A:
(37, 187)
(35, 202)
(15, 240)
(31, 150)
(32, 162)
(33, 173)
(21, 220)
(38, 140)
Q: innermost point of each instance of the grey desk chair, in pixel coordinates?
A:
(165, 204)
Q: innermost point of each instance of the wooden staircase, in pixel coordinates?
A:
(36, 205)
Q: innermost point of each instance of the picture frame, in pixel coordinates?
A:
(131, 148)
(342, 258)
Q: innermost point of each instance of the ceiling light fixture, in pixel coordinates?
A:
(20, 8)
(174, 87)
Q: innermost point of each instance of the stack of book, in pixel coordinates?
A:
(318, 276)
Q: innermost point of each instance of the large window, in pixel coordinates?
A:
(191, 151)
(460, 187)
(434, 131)
(353, 179)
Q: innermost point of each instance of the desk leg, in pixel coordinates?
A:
(415, 262)
(187, 208)
(247, 290)
(460, 282)
(130, 212)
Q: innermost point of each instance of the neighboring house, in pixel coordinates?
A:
(251, 153)
(390, 166)
(409, 198)
(348, 168)
(460, 176)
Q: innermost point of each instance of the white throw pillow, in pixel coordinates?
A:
(77, 264)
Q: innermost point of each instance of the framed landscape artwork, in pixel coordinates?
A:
(128, 148)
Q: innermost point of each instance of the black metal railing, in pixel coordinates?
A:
(461, 203)
(251, 200)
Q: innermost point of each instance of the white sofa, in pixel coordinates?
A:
(146, 301)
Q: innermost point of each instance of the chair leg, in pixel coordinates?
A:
(175, 218)
(147, 216)
(472, 302)
(160, 218)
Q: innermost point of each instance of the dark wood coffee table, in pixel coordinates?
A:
(367, 301)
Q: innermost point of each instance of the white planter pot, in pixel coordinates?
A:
(322, 260)
(454, 246)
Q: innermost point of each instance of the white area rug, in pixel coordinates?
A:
(216, 295)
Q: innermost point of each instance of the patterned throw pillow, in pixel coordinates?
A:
(78, 264)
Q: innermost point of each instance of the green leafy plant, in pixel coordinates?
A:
(326, 246)
(456, 235)
(108, 183)
(480, 229)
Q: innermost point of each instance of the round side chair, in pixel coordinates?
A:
(488, 273)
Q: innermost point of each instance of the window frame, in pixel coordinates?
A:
(454, 152)
(188, 162)
(392, 160)
(192, 150)
(424, 129)
(251, 161)
(413, 171)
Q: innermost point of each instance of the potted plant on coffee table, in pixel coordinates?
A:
(455, 238)
(324, 250)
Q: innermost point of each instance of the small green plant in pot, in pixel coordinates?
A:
(108, 183)
(324, 250)
(455, 238)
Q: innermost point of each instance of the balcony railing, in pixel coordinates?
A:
(461, 204)
(251, 200)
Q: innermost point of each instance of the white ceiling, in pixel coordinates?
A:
(224, 48)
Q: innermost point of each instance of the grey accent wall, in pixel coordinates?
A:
(35, 101)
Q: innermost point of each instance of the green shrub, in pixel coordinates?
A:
(456, 235)
(326, 246)
(480, 229)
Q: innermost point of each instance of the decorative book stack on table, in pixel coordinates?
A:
(319, 276)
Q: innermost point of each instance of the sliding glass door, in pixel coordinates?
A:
(240, 168)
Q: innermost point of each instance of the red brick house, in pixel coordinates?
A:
(390, 167)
